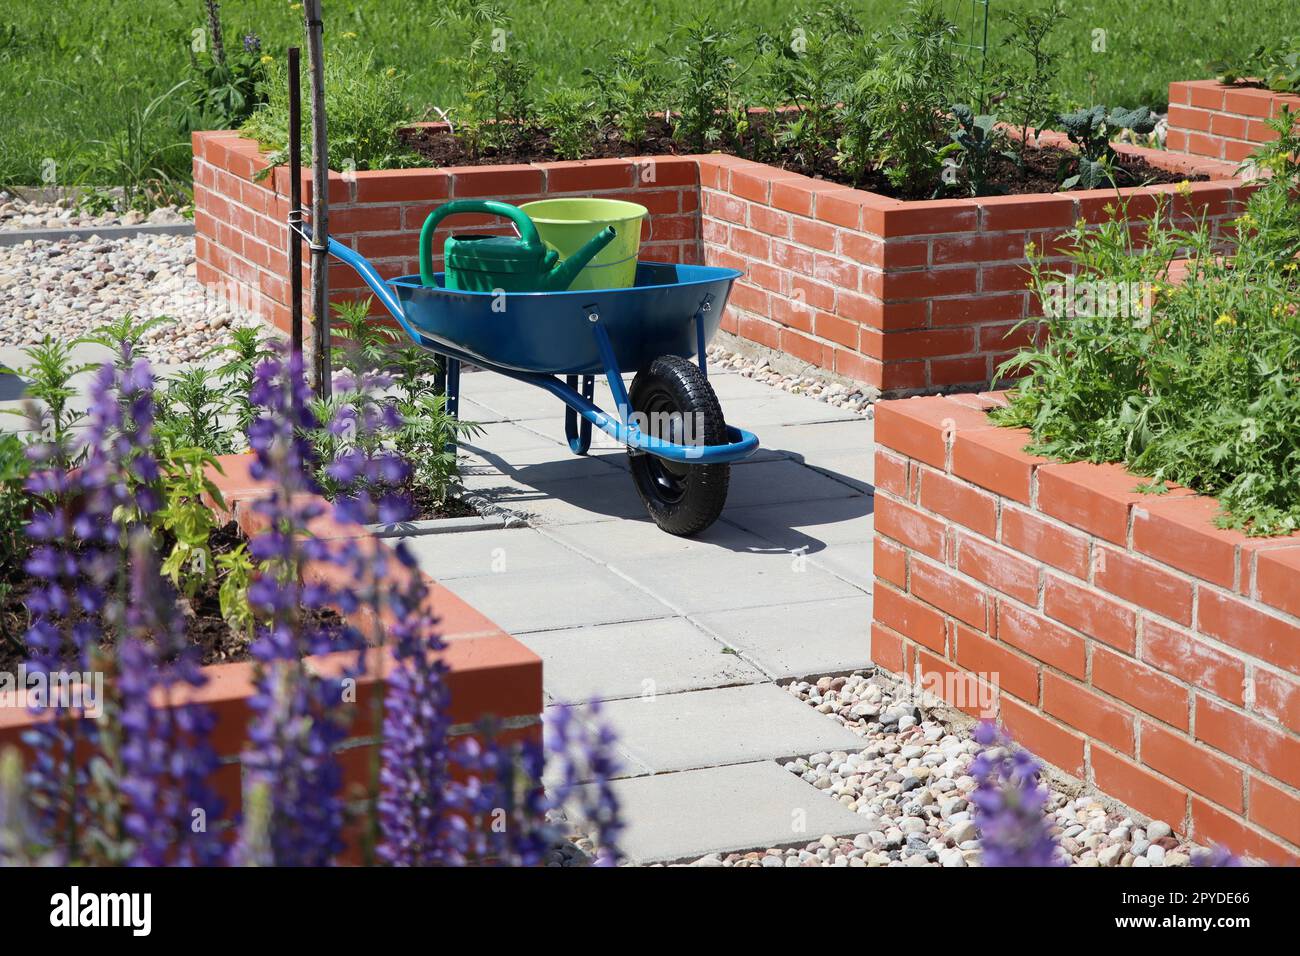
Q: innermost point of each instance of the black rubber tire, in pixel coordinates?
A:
(682, 499)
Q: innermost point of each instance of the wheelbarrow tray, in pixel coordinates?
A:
(550, 332)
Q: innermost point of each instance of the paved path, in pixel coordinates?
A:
(685, 639)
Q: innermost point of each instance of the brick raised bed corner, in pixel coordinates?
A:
(906, 296)
(1119, 635)
(1208, 118)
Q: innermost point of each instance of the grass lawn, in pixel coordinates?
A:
(76, 73)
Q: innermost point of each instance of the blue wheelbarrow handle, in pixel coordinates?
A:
(373, 279)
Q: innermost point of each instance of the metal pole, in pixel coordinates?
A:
(320, 187)
(295, 201)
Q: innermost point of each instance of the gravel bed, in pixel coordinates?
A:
(910, 785)
(854, 397)
(67, 288)
(17, 213)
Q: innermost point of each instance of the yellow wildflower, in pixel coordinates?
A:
(391, 71)
(267, 58)
(348, 35)
(295, 6)
(1184, 189)
(1030, 249)
(1226, 319)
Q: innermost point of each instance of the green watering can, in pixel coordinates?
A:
(483, 263)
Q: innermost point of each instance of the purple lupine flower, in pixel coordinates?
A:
(1218, 855)
(298, 721)
(252, 43)
(585, 747)
(1010, 804)
(167, 759)
(417, 803)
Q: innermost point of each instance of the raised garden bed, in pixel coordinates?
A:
(490, 673)
(906, 296)
(1126, 639)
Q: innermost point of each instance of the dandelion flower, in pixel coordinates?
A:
(1226, 320)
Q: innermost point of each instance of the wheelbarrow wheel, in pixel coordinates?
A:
(677, 403)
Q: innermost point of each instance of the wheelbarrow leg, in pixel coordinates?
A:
(579, 431)
(453, 398)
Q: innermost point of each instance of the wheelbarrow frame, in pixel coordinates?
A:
(575, 391)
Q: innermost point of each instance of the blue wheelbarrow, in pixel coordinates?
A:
(679, 445)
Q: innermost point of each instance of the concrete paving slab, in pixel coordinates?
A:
(780, 480)
(572, 501)
(814, 525)
(531, 466)
(550, 598)
(510, 551)
(798, 640)
(626, 542)
(710, 728)
(628, 660)
(695, 584)
(683, 816)
(781, 408)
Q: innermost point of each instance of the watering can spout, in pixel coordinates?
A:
(562, 275)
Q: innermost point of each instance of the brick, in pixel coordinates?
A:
(1278, 698)
(402, 185)
(954, 280)
(887, 649)
(840, 331)
(857, 367)
(497, 181)
(1041, 639)
(889, 562)
(920, 427)
(770, 221)
(963, 690)
(1095, 498)
(787, 256)
(802, 347)
(1144, 583)
(998, 213)
(921, 343)
(978, 247)
(1138, 788)
(940, 587)
(891, 473)
(749, 243)
(816, 234)
(959, 502)
(798, 194)
(994, 458)
(1275, 810)
(1186, 117)
(997, 663)
(1178, 653)
(1247, 102)
(1206, 97)
(922, 218)
(910, 618)
(841, 206)
(1210, 825)
(978, 308)
(1143, 687)
(998, 567)
(1194, 766)
(1247, 628)
(1089, 712)
(1086, 609)
(1251, 741)
(1044, 738)
(1181, 533)
(1277, 579)
(752, 182)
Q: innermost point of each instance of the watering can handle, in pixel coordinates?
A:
(527, 231)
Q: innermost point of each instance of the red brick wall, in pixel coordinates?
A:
(241, 237)
(1207, 118)
(905, 296)
(1122, 637)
